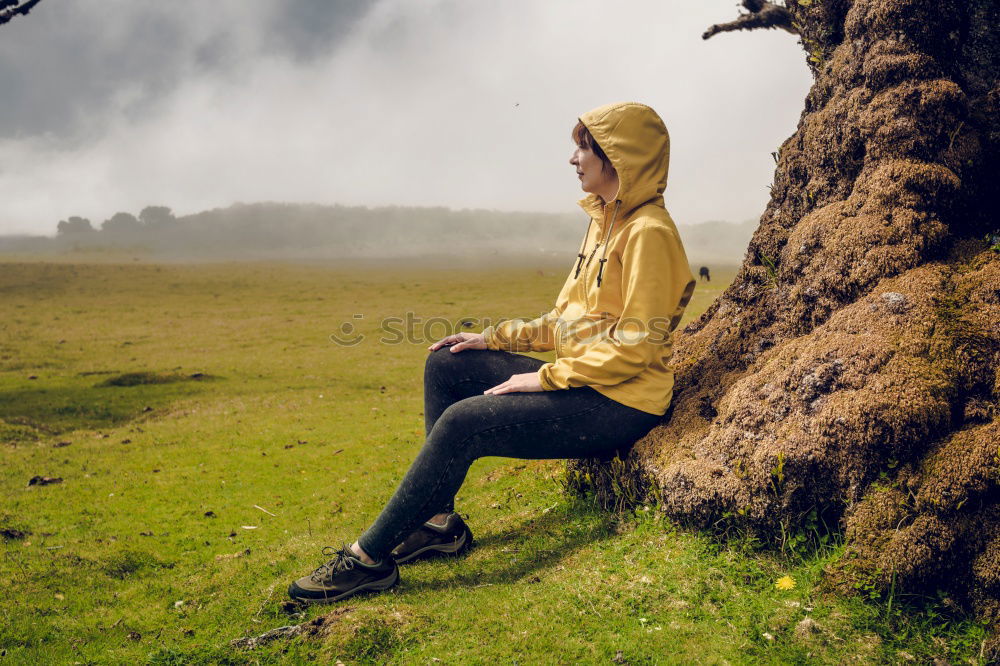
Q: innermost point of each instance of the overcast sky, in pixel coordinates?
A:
(112, 105)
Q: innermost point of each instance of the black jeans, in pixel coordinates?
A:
(463, 424)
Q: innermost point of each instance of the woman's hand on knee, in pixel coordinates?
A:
(526, 382)
(460, 341)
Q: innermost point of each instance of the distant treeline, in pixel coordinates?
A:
(282, 231)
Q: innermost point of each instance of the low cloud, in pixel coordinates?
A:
(443, 102)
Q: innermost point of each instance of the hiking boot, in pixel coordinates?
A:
(343, 576)
(430, 540)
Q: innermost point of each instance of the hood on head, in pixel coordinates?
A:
(636, 141)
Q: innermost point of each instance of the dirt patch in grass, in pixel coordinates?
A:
(142, 378)
(12, 533)
(11, 529)
(125, 564)
(310, 628)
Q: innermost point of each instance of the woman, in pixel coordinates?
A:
(609, 385)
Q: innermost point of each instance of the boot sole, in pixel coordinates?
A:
(374, 586)
(456, 548)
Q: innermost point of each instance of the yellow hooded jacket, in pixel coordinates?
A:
(612, 325)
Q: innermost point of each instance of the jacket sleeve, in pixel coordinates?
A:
(519, 335)
(656, 287)
(535, 335)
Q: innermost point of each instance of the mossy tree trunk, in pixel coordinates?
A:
(850, 372)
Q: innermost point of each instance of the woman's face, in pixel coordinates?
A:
(593, 176)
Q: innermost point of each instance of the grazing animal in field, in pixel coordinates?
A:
(703, 272)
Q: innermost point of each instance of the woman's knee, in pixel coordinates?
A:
(440, 362)
(457, 428)
(444, 367)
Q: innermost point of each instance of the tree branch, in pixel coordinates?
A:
(763, 14)
(11, 8)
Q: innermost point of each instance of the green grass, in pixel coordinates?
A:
(152, 548)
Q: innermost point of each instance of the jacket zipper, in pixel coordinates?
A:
(597, 246)
(586, 265)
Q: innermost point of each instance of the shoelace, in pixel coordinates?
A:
(343, 560)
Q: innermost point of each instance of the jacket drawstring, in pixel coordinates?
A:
(604, 250)
(583, 245)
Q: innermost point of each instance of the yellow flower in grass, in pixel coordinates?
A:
(785, 583)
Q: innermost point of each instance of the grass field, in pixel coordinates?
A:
(211, 438)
